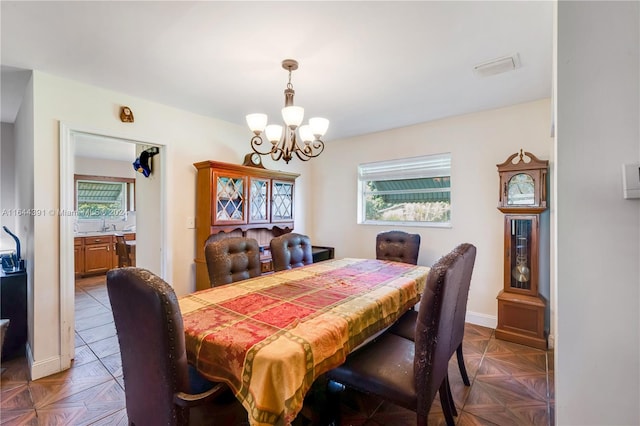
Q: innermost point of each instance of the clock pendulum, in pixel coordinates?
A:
(521, 272)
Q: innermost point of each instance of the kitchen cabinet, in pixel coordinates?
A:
(78, 256)
(235, 200)
(94, 255)
(98, 254)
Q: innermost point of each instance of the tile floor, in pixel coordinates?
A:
(511, 384)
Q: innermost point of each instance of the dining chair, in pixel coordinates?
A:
(398, 246)
(409, 373)
(123, 252)
(160, 387)
(232, 259)
(406, 325)
(290, 251)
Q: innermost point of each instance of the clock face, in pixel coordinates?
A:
(255, 158)
(521, 190)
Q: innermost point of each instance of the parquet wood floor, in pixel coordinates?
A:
(510, 384)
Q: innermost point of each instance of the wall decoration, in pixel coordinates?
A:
(126, 115)
(143, 162)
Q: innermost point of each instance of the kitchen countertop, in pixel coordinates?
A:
(98, 233)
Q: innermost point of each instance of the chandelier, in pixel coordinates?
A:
(285, 143)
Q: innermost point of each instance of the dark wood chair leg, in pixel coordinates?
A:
(452, 403)
(463, 369)
(445, 402)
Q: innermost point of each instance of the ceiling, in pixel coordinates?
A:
(366, 66)
(93, 146)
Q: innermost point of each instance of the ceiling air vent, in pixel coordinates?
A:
(497, 66)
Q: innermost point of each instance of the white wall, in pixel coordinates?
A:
(187, 138)
(477, 142)
(7, 185)
(25, 225)
(598, 238)
(103, 167)
(149, 247)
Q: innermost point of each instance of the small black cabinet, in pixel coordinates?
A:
(321, 253)
(13, 306)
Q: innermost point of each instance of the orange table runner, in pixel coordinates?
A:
(270, 337)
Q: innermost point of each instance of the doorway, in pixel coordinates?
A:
(102, 153)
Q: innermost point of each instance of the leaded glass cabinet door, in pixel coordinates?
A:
(281, 201)
(259, 200)
(230, 199)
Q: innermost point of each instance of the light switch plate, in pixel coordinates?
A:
(191, 222)
(631, 181)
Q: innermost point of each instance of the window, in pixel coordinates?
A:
(100, 197)
(411, 191)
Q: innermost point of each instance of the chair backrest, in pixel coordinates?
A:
(435, 323)
(232, 259)
(152, 346)
(291, 250)
(398, 246)
(468, 252)
(122, 251)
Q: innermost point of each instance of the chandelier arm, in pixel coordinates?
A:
(256, 142)
(277, 153)
(317, 145)
(302, 156)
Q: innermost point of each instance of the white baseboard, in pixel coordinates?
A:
(42, 368)
(483, 320)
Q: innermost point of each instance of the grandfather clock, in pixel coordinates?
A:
(523, 196)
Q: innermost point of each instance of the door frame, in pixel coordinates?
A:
(67, 208)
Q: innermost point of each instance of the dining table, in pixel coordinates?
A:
(270, 337)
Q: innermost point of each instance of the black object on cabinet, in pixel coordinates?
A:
(321, 253)
(13, 306)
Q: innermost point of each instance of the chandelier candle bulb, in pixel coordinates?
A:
(273, 132)
(293, 116)
(257, 122)
(284, 141)
(319, 126)
(306, 134)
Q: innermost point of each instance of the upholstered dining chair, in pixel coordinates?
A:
(159, 385)
(409, 373)
(123, 252)
(291, 250)
(398, 246)
(406, 325)
(232, 259)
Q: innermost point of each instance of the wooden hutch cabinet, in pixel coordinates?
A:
(235, 200)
